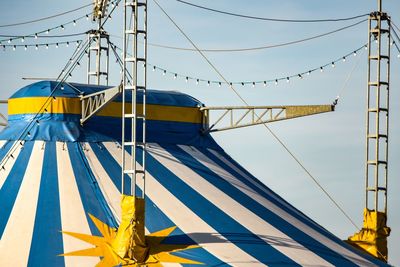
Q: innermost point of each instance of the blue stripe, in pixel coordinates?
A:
(156, 220)
(92, 199)
(113, 170)
(9, 191)
(272, 196)
(216, 218)
(47, 242)
(261, 211)
(4, 150)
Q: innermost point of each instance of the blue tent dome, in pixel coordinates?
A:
(60, 176)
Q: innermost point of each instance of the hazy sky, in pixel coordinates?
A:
(330, 145)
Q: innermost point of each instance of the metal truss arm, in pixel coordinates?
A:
(93, 103)
(232, 117)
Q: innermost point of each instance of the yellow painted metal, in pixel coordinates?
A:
(300, 111)
(372, 238)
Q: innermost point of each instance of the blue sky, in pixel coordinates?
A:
(331, 145)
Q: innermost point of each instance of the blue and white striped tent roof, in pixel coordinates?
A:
(60, 172)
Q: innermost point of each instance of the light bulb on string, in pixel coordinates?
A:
(48, 31)
(26, 47)
(14, 48)
(219, 84)
(36, 36)
(154, 68)
(344, 59)
(164, 72)
(309, 72)
(276, 82)
(365, 47)
(9, 40)
(67, 44)
(197, 82)
(47, 46)
(300, 76)
(77, 43)
(254, 84)
(265, 83)
(355, 53)
(62, 27)
(109, 17)
(287, 79)
(175, 76)
(36, 47)
(333, 64)
(23, 39)
(208, 83)
(321, 69)
(186, 79)
(242, 84)
(74, 22)
(87, 17)
(56, 45)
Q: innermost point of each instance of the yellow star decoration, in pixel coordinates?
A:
(157, 253)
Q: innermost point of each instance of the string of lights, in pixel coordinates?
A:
(45, 33)
(65, 73)
(45, 18)
(263, 83)
(396, 36)
(39, 45)
(271, 19)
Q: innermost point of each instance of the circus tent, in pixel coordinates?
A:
(60, 184)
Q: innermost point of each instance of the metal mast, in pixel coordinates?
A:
(97, 71)
(377, 125)
(134, 89)
(372, 238)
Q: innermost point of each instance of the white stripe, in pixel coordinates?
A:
(9, 165)
(279, 211)
(238, 212)
(73, 217)
(17, 237)
(189, 222)
(2, 143)
(111, 193)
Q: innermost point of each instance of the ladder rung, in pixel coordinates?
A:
(376, 110)
(131, 87)
(376, 189)
(374, 162)
(94, 73)
(376, 83)
(379, 136)
(377, 30)
(132, 171)
(378, 57)
(132, 59)
(141, 144)
(133, 4)
(131, 116)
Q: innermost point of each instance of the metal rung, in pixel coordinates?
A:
(374, 162)
(141, 144)
(96, 48)
(376, 83)
(379, 57)
(131, 87)
(94, 73)
(133, 4)
(131, 116)
(377, 30)
(132, 171)
(376, 189)
(132, 59)
(376, 110)
(379, 136)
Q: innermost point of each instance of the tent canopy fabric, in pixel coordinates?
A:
(64, 174)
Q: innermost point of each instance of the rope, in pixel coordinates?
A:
(272, 19)
(45, 18)
(272, 133)
(257, 48)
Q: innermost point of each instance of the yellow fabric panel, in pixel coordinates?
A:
(372, 238)
(32, 105)
(62, 105)
(130, 241)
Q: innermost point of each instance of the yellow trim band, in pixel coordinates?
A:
(64, 105)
